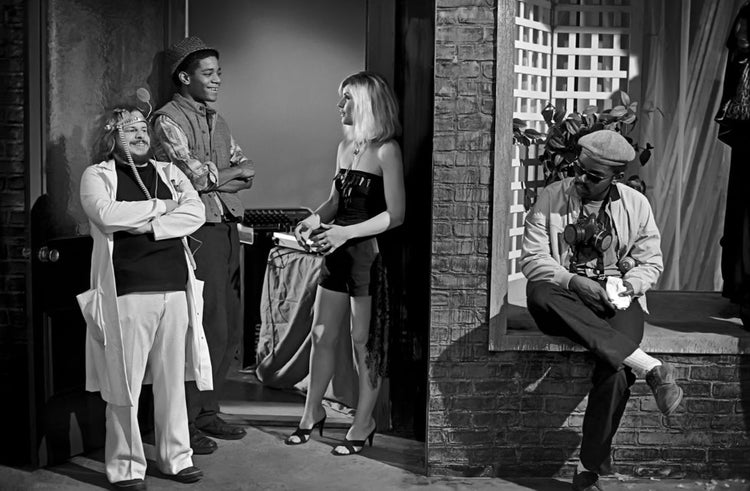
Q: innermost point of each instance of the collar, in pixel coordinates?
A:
(110, 163)
(570, 190)
(199, 107)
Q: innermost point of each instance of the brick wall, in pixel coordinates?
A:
(520, 413)
(12, 218)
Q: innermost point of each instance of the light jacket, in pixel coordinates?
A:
(105, 359)
(545, 254)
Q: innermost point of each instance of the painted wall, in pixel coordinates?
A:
(98, 54)
(282, 62)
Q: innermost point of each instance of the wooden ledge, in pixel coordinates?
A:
(680, 322)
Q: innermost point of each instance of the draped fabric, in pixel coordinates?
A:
(379, 338)
(284, 341)
(706, 160)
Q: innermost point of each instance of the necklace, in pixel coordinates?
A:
(346, 185)
(357, 151)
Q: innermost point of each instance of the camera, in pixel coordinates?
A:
(587, 231)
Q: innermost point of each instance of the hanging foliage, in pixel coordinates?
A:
(560, 142)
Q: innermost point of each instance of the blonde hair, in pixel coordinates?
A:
(375, 114)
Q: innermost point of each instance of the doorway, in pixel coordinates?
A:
(393, 37)
(280, 105)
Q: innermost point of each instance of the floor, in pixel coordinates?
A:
(261, 461)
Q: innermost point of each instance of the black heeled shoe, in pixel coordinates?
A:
(304, 435)
(354, 447)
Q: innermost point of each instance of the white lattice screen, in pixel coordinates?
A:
(573, 53)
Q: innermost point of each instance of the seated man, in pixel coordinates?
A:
(583, 233)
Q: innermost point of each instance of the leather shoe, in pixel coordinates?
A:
(218, 428)
(586, 481)
(130, 484)
(187, 475)
(667, 393)
(201, 444)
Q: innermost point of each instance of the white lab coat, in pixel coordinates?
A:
(105, 365)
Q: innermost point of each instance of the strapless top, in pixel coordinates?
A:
(361, 196)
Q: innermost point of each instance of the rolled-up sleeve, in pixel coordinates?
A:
(190, 213)
(174, 147)
(236, 155)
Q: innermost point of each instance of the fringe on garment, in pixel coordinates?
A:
(381, 320)
(738, 107)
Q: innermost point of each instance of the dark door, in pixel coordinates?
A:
(400, 45)
(68, 420)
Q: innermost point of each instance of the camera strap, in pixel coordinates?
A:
(604, 221)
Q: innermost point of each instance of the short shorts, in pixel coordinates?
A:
(347, 269)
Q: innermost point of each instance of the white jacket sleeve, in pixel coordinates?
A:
(190, 213)
(109, 214)
(537, 263)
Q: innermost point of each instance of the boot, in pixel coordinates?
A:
(667, 393)
(586, 481)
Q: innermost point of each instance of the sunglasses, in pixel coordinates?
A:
(591, 177)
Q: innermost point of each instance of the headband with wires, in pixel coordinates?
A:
(144, 96)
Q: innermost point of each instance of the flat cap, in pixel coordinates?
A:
(177, 53)
(606, 147)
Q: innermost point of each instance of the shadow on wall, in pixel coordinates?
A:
(62, 189)
(159, 83)
(505, 414)
(519, 414)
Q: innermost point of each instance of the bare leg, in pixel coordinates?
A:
(360, 328)
(330, 309)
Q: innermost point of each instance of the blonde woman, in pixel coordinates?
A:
(367, 198)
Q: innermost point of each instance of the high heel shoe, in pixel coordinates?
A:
(303, 436)
(354, 446)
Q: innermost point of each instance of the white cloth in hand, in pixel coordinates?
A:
(614, 288)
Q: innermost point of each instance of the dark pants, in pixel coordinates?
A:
(218, 265)
(560, 312)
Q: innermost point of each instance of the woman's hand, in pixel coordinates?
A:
(328, 238)
(304, 230)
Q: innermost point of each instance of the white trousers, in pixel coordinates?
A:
(154, 326)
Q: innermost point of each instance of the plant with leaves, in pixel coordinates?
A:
(524, 135)
(561, 143)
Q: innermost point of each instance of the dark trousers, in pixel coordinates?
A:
(560, 312)
(218, 265)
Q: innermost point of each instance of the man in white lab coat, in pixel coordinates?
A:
(144, 308)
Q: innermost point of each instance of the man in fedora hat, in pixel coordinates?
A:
(590, 245)
(190, 133)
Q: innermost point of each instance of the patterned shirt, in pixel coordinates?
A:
(203, 175)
